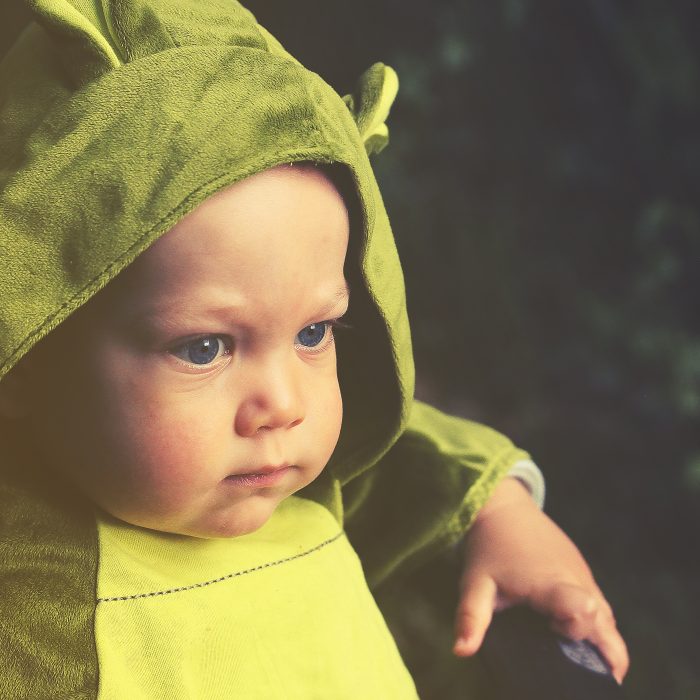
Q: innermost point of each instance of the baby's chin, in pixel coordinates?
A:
(235, 521)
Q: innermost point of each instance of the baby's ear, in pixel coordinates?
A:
(370, 104)
(14, 393)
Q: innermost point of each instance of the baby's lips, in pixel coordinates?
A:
(266, 469)
(266, 475)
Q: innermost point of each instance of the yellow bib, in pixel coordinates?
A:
(284, 612)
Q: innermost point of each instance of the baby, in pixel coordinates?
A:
(192, 407)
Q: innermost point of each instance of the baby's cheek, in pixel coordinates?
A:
(181, 449)
(172, 453)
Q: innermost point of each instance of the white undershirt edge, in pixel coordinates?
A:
(528, 473)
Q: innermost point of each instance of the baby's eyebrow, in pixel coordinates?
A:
(341, 295)
(167, 315)
(174, 315)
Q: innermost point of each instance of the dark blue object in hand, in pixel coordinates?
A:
(525, 660)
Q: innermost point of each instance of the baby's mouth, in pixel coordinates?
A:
(263, 476)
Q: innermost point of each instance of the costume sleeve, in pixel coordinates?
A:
(424, 492)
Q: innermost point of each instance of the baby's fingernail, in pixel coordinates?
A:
(462, 645)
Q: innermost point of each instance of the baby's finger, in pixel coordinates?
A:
(474, 614)
(579, 614)
(613, 648)
(572, 609)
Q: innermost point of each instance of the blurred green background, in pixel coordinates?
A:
(543, 179)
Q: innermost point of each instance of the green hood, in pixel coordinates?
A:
(119, 117)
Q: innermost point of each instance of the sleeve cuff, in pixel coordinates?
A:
(528, 473)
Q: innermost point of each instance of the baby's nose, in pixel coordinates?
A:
(273, 402)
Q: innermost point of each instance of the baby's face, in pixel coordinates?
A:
(209, 358)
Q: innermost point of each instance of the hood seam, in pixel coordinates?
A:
(11, 359)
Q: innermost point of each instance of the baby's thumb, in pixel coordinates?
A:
(474, 614)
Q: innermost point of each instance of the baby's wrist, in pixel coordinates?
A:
(511, 493)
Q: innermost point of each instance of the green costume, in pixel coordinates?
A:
(117, 117)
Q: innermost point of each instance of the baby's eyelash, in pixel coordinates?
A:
(308, 342)
(183, 350)
(337, 323)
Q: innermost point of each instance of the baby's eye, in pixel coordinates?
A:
(203, 350)
(312, 336)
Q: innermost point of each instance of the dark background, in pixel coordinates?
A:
(542, 179)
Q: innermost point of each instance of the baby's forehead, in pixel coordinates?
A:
(280, 232)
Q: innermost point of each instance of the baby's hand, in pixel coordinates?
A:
(515, 554)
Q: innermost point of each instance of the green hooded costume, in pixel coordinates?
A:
(118, 117)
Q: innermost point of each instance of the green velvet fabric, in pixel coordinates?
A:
(48, 574)
(117, 117)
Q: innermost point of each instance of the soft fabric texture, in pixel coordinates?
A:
(315, 598)
(118, 117)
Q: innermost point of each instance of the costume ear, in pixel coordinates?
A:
(79, 30)
(370, 104)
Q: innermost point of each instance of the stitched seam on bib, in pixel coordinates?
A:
(226, 577)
